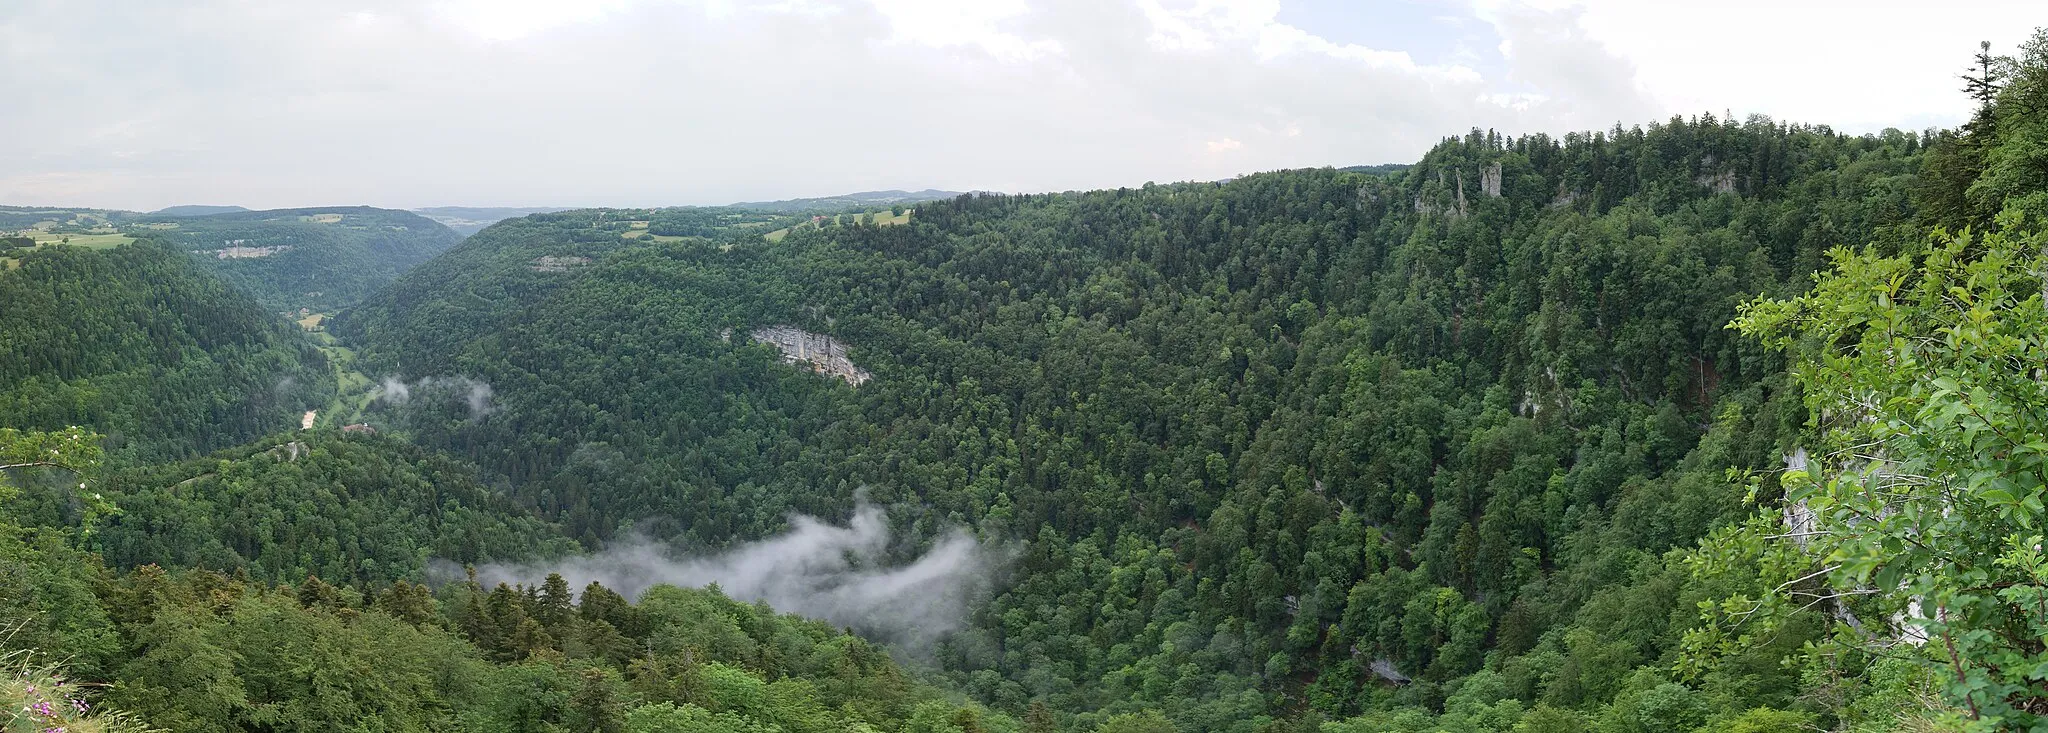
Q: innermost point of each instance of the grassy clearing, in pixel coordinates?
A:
(883, 218)
(88, 241)
(313, 321)
(161, 225)
(322, 218)
(354, 390)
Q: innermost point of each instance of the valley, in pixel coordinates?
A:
(1701, 425)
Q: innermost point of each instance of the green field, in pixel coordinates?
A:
(880, 218)
(88, 241)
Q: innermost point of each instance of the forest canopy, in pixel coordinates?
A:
(1703, 425)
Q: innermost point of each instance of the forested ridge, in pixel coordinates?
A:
(317, 258)
(1264, 437)
(139, 343)
(320, 259)
(1706, 425)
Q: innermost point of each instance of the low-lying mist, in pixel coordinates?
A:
(834, 573)
(476, 394)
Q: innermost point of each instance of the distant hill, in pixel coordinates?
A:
(863, 199)
(1381, 169)
(320, 258)
(467, 220)
(196, 210)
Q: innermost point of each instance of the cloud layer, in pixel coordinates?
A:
(663, 102)
(816, 569)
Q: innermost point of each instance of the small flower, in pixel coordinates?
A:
(79, 705)
(42, 708)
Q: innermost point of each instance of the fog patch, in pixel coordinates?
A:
(394, 391)
(834, 573)
(475, 394)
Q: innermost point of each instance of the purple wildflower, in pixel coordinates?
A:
(79, 705)
(42, 708)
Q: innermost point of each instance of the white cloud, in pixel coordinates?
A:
(656, 102)
(1224, 145)
(1861, 65)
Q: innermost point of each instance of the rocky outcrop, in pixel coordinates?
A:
(824, 354)
(1462, 209)
(1723, 182)
(552, 263)
(1565, 197)
(246, 253)
(1489, 181)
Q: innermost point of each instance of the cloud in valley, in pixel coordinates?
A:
(817, 569)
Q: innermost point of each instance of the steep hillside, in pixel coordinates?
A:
(140, 344)
(204, 650)
(319, 259)
(351, 508)
(1305, 442)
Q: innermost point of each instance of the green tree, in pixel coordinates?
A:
(1923, 501)
(1149, 721)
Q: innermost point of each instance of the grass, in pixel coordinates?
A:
(161, 225)
(887, 219)
(880, 219)
(322, 218)
(88, 241)
(34, 697)
(354, 390)
(313, 321)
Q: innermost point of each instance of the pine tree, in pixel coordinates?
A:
(317, 593)
(1988, 79)
(596, 707)
(555, 605)
(409, 602)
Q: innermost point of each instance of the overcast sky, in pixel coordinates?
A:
(273, 103)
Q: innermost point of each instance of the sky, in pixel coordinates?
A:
(276, 103)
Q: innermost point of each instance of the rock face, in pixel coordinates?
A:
(1565, 197)
(551, 263)
(238, 252)
(1490, 181)
(824, 354)
(1723, 182)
